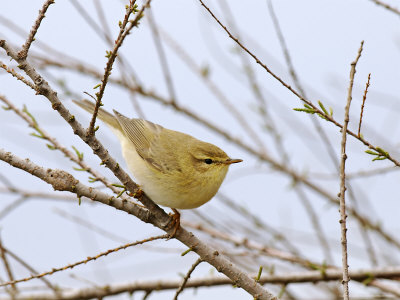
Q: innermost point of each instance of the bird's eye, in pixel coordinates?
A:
(208, 161)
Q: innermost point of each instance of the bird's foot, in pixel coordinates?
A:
(137, 194)
(175, 222)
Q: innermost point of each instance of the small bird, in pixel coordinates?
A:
(174, 169)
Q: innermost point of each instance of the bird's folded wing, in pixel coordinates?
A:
(146, 137)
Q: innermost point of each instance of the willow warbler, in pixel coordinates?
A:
(173, 168)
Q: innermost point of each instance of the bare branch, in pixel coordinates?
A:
(88, 259)
(186, 278)
(63, 181)
(387, 6)
(363, 276)
(54, 144)
(267, 250)
(155, 214)
(234, 239)
(124, 31)
(363, 103)
(343, 215)
(312, 107)
(16, 75)
(219, 93)
(14, 291)
(25, 48)
(32, 270)
(278, 166)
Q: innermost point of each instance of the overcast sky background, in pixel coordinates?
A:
(323, 38)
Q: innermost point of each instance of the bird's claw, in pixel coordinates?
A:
(175, 222)
(137, 194)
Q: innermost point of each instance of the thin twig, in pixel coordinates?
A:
(343, 215)
(16, 75)
(13, 292)
(200, 71)
(387, 6)
(124, 31)
(315, 109)
(356, 174)
(191, 114)
(257, 222)
(147, 294)
(100, 292)
(25, 48)
(363, 103)
(63, 181)
(18, 30)
(54, 144)
(295, 176)
(89, 258)
(252, 245)
(302, 196)
(267, 250)
(253, 56)
(154, 214)
(319, 130)
(186, 278)
(126, 70)
(30, 269)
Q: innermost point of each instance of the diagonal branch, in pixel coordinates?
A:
(310, 105)
(63, 181)
(363, 103)
(32, 270)
(84, 261)
(54, 144)
(278, 166)
(186, 278)
(14, 291)
(387, 6)
(124, 31)
(16, 75)
(25, 48)
(200, 71)
(155, 214)
(262, 156)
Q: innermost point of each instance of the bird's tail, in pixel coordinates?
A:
(103, 115)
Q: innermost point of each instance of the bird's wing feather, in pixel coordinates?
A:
(146, 137)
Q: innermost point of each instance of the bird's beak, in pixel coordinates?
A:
(232, 161)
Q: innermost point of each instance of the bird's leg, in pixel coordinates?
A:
(176, 222)
(137, 194)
